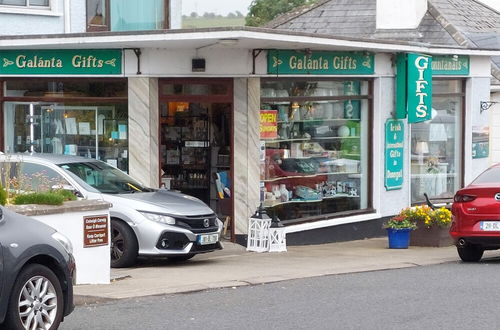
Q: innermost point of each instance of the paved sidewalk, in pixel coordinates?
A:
(234, 266)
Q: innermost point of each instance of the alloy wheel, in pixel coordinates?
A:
(37, 303)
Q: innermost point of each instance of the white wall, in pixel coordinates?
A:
(494, 113)
(171, 63)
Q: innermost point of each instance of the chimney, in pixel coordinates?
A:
(400, 14)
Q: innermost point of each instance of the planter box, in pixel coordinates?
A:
(432, 237)
(86, 224)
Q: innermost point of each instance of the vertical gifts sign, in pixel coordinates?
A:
(414, 87)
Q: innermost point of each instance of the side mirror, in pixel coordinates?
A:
(69, 188)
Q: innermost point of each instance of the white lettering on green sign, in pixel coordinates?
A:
(422, 63)
(22, 61)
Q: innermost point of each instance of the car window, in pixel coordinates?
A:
(105, 178)
(26, 176)
(491, 175)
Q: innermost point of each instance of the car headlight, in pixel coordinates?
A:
(159, 218)
(64, 241)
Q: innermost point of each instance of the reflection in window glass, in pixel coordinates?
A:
(436, 146)
(133, 15)
(84, 128)
(314, 147)
(25, 3)
(96, 12)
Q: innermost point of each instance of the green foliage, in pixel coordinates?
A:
(3, 196)
(263, 11)
(46, 198)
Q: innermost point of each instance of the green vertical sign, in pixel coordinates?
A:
(419, 93)
(401, 89)
(394, 150)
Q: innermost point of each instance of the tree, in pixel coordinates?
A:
(263, 11)
(193, 14)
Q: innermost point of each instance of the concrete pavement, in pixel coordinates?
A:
(234, 266)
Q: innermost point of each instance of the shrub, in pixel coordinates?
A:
(3, 196)
(47, 198)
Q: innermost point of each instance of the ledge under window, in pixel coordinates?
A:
(28, 11)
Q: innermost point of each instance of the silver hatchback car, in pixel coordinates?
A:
(144, 221)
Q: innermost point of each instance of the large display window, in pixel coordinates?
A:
(437, 144)
(314, 147)
(71, 117)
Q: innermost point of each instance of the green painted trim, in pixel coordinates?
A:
(401, 90)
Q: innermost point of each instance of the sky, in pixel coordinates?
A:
(223, 7)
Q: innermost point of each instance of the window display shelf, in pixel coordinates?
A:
(314, 120)
(270, 203)
(306, 176)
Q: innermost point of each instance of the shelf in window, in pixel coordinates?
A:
(277, 203)
(286, 140)
(306, 176)
(333, 137)
(317, 119)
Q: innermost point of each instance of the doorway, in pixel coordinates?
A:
(196, 141)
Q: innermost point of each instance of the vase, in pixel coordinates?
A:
(431, 237)
(399, 238)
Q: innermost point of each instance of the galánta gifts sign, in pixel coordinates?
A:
(414, 87)
(61, 61)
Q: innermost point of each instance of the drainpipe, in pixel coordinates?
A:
(67, 18)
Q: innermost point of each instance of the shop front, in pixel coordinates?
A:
(61, 115)
(315, 133)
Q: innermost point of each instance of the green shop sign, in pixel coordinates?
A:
(450, 65)
(66, 61)
(297, 62)
(394, 147)
(414, 87)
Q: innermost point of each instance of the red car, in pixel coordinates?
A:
(476, 216)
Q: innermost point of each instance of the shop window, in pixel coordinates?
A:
(71, 117)
(314, 147)
(126, 15)
(436, 145)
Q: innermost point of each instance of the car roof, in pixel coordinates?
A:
(49, 158)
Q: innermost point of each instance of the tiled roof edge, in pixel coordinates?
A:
(286, 17)
(458, 36)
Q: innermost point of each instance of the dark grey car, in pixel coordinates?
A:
(36, 274)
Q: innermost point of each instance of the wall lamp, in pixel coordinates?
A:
(485, 105)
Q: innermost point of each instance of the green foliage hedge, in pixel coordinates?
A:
(3, 196)
(47, 198)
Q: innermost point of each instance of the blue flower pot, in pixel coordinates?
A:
(399, 238)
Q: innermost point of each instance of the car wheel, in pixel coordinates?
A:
(470, 253)
(181, 258)
(124, 245)
(36, 301)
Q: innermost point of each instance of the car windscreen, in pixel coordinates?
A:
(105, 178)
(491, 175)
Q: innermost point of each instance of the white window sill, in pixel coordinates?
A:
(29, 11)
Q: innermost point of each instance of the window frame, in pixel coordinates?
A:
(49, 10)
(369, 97)
(462, 120)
